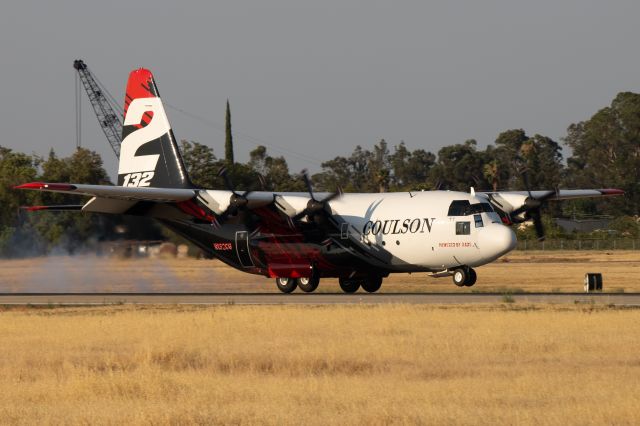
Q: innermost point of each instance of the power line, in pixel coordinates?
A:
(248, 139)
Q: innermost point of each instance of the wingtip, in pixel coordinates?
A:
(30, 185)
(612, 191)
(33, 208)
(47, 186)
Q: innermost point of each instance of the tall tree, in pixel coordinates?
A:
(459, 167)
(274, 170)
(411, 169)
(201, 164)
(379, 166)
(606, 153)
(492, 173)
(71, 231)
(16, 235)
(228, 143)
(542, 159)
(507, 156)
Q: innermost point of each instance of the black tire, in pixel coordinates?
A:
(349, 285)
(371, 284)
(460, 277)
(471, 278)
(286, 285)
(308, 285)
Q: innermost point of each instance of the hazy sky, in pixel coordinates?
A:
(311, 80)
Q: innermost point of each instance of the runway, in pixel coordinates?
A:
(74, 299)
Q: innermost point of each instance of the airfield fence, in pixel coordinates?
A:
(581, 244)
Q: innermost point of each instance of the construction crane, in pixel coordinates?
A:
(104, 105)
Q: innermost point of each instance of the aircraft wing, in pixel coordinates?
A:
(122, 199)
(114, 192)
(110, 199)
(508, 201)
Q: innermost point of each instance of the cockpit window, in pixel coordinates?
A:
(479, 208)
(458, 208)
(464, 208)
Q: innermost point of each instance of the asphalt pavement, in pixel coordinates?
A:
(627, 299)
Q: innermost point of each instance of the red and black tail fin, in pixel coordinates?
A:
(149, 154)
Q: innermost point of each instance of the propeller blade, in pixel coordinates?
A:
(300, 215)
(237, 201)
(545, 197)
(307, 183)
(537, 222)
(316, 209)
(331, 197)
(263, 182)
(225, 178)
(525, 180)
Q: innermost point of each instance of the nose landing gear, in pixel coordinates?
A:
(464, 277)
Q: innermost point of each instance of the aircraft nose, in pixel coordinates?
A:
(496, 240)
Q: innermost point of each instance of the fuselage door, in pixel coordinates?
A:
(242, 248)
(344, 231)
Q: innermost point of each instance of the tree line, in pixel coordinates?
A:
(604, 153)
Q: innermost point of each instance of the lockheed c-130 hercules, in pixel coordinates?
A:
(299, 238)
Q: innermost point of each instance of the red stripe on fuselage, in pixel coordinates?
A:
(283, 245)
(192, 209)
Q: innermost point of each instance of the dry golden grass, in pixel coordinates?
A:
(550, 271)
(320, 365)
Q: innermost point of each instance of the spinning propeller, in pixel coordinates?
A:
(531, 207)
(316, 210)
(238, 201)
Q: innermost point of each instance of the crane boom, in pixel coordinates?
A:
(110, 121)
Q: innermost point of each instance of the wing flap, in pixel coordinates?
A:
(108, 205)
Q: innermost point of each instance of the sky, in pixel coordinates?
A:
(311, 80)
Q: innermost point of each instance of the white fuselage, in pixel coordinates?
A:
(417, 230)
(410, 230)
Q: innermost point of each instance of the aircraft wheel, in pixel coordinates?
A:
(308, 285)
(286, 285)
(349, 285)
(371, 284)
(460, 277)
(471, 278)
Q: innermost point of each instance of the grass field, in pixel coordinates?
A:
(550, 271)
(503, 364)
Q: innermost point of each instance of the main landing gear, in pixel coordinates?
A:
(368, 284)
(286, 285)
(308, 285)
(464, 277)
(348, 285)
